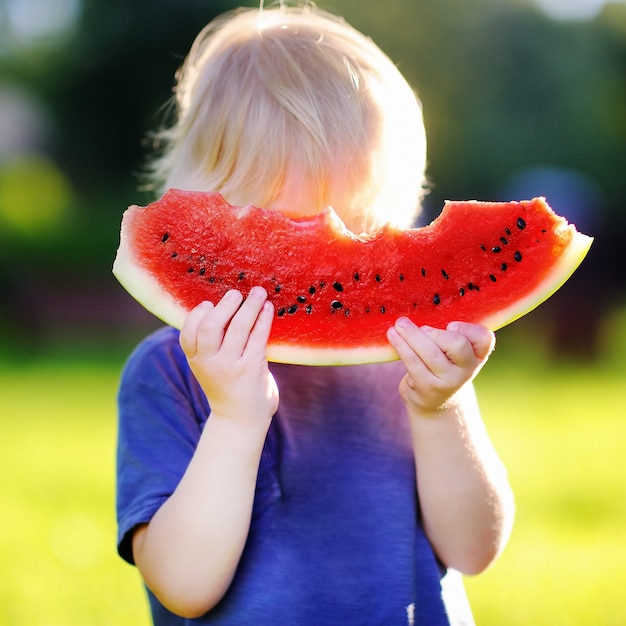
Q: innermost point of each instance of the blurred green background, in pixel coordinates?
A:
(521, 98)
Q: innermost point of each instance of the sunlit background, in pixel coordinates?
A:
(521, 98)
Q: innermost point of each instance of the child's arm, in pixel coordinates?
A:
(466, 502)
(188, 552)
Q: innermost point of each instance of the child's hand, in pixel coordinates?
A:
(438, 362)
(225, 346)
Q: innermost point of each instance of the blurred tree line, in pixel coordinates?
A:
(507, 92)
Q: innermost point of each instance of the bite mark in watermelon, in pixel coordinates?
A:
(335, 293)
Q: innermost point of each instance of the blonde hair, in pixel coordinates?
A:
(294, 101)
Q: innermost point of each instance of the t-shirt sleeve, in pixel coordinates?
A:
(160, 415)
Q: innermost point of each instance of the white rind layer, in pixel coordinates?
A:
(305, 355)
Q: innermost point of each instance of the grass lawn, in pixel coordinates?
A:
(57, 549)
(560, 430)
(563, 439)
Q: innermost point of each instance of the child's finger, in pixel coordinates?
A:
(256, 347)
(189, 331)
(412, 362)
(420, 351)
(242, 324)
(481, 338)
(213, 325)
(456, 347)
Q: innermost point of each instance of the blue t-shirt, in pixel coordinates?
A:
(336, 536)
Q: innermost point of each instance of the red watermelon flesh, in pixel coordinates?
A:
(335, 293)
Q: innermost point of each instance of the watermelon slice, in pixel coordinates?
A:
(336, 293)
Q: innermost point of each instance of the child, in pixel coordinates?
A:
(255, 493)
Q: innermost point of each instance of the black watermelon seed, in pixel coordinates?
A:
(336, 305)
(423, 272)
(212, 279)
(436, 299)
(505, 241)
(401, 277)
(367, 309)
(507, 231)
(517, 256)
(338, 286)
(482, 247)
(190, 270)
(496, 249)
(461, 291)
(174, 255)
(492, 278)
(356, 276)
(292, 309)
(503, 267)
(415, 305)
(377, 278)
(278, 288)
(544, 231)
(346, 312)
(309, 309)
(521, 224)
(165, 237)
(242, 275)
(301, 299)
(445, 274)
(281, 312)
(322, 284)
(470, 286)
(312, 289)
(202, 271)
(383, 309)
